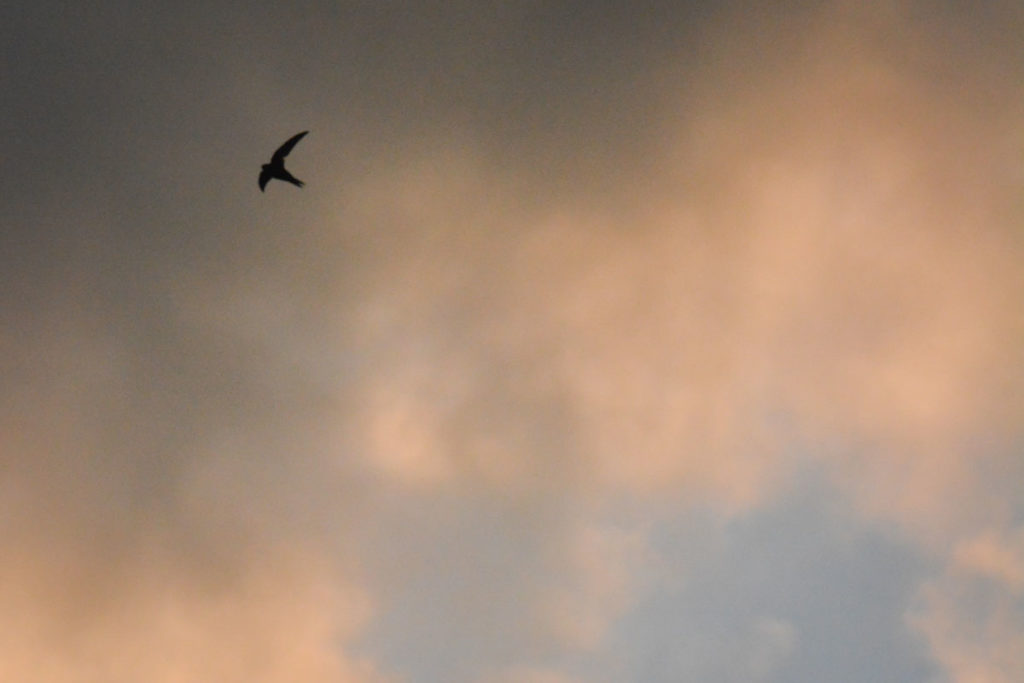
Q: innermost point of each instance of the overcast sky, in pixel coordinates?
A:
(608, 342)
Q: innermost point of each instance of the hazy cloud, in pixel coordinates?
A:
(563, 273)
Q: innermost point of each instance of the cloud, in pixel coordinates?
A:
(600, 571)
(994, 557)
(794, 267)
(774, 640)
(534, 283)
(971, 616)
(818, 260)
(144, 613)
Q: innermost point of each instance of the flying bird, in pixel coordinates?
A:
(276, 169)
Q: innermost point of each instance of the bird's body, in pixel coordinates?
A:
(276, 169)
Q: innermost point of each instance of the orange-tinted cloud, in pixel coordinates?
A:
(970, 616)
(142, 614)
(797, 241)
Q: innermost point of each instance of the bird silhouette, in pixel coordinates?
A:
(276, 169)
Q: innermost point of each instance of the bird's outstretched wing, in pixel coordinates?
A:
(264, 178)
(283, 150)
(284, 175)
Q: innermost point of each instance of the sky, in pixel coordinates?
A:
(607, 342)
